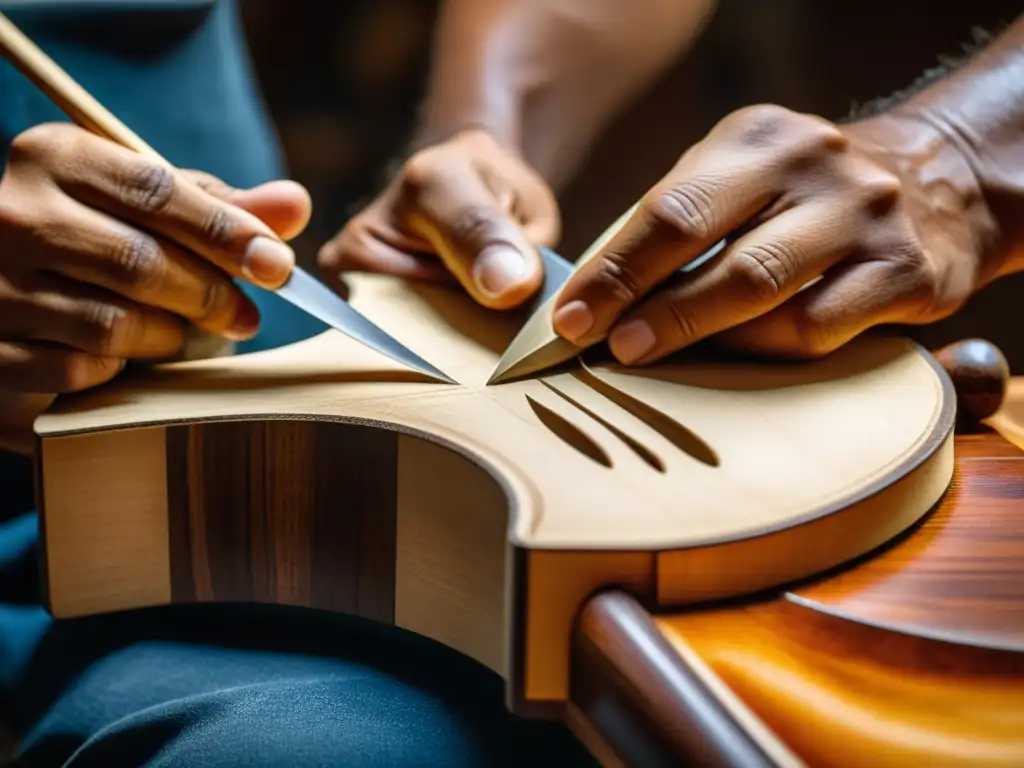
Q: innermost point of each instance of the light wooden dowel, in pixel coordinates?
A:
(67, 94)
(85, 111)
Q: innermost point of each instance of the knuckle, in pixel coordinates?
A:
(13, 215)
(764, 271)
(216, 303)
(685, 323)
(136, 262)
(922, 282)
(147, 187)
(813, 337)
(38, 140)
(682, 213)
(76, 371)
(619, 277)
(473, 224)
(762, 125)
(203, 180)
(219, 227)
(109, 327)
(812, 142)
(420, 172)
(822, 136)
(908, 263)
(880, 192)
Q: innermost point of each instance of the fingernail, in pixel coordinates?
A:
(631, 341)
(573, 320)
(245, 323)
(268, 261)
(498, 268)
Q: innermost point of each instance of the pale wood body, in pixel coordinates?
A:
(501, 508)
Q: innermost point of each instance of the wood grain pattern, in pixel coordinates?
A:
(452, 553)
(985, 447)
(910, 657)
(850, 695)
(100, 554)
(291, 512)
(959, 577)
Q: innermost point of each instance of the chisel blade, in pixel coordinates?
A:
(534, 348)
(537, 347)
(310, 295)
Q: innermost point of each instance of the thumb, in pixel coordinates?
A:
(476, 238)
(283, 205)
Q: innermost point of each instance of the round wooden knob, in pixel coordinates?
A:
(980, 374)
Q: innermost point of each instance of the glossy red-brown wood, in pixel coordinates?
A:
(959, 577)
(927, 626)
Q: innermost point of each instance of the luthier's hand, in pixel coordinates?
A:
(469, 201)
(885, 212)
(105, 255)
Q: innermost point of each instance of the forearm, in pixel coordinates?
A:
(546, 78)
(980, 109)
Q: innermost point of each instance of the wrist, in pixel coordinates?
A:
(947, 190)
(995, 160)
(979, 110)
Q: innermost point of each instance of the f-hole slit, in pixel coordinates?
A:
(569, 434)
(648, 456)
(681, 437)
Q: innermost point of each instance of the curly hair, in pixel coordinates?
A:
(947, 65)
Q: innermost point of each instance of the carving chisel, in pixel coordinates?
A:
(537, 347)
(301, 289)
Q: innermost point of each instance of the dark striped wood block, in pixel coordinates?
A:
(292, 512)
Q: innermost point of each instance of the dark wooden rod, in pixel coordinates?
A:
(640, 695)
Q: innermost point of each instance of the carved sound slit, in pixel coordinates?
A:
(569, 433)
(677, 434)
(636, 446)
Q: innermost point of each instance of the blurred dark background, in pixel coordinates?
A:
(343, 83)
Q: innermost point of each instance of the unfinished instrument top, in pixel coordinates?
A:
(668, 456)
(687, 481)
